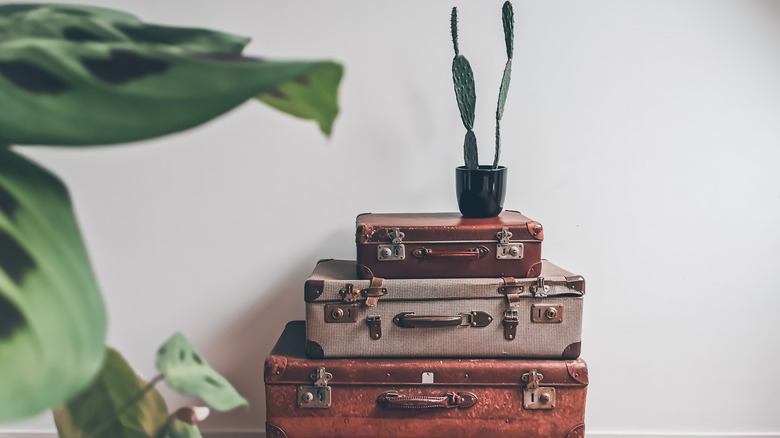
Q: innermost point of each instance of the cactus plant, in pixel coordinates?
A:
(465, 93)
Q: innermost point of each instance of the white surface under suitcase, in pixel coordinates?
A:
(443, 317)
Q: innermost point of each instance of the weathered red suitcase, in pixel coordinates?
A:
(447, 245)
(420, 397)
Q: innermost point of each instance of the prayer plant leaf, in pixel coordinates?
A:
(52, 318)
(313, 96)
(117, 404)
(79, 76)
(186, 372)
(180, 429)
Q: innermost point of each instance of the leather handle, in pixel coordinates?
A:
(474, 253)
(412, 320)
(461, 400)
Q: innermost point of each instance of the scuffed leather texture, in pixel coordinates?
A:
(436, 232)
(358, 383)
(272, 431)
(577, 432)
(534, 270)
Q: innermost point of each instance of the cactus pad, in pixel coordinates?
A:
(465, 92)
(470, 150)
(508, 17)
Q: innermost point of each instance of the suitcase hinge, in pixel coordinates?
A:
(316, 396)
(395, 250)
(537, 397)
(539, 289)
(506, 250)
(510, 324)
(374, 323)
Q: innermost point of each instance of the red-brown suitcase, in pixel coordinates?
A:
(447, 245)
(399, 398)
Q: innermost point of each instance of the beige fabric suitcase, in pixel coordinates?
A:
(445, 317)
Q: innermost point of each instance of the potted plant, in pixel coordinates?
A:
(76, 76)
(480, 188)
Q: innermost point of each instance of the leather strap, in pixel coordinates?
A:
(461, 400)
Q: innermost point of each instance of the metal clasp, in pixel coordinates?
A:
(393, 251)
(510, 324)
(506, 250)
(374, 323)
(316, 396)
(536, 397)
(539, 289)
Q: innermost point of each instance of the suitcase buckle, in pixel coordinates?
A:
(316, 396)
(510, 324)
(536, 397)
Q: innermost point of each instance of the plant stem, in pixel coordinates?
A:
(103, 426)
(498, 143)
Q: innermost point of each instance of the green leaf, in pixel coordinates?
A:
(186, 372)
(504, 89)
(180, 429)
(311, 96)
(101, 77)
(118, 404)
(52, 318)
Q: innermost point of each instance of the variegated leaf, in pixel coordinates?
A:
(52, 318)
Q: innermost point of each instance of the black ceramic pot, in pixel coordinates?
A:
(480, 191)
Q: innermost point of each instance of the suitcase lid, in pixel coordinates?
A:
(332, 278)
(445, 227)
(288, 364)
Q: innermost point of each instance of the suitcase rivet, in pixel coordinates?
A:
(508, 420)
(466, 375)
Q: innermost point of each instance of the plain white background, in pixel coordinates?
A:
(643, 135)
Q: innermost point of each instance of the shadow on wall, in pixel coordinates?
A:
(244, 345)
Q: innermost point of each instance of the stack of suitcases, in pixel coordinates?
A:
(443, 327)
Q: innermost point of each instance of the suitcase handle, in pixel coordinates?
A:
(474, 253)
(473, 319)
(461, 400)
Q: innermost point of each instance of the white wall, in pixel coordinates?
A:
(644, 135)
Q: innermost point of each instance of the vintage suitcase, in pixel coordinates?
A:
(457, 317)
(420, 397)
(447, 245)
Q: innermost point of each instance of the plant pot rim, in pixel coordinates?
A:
(482, 168)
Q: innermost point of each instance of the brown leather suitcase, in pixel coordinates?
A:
(399, 398)
(447, 245)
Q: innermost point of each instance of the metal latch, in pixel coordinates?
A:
(506, 250)
(539, 289)
(510, 324)
(373, 292)
(393, 251)
(316, 396)
(374, 323)
(534, 396)
(547, 313)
